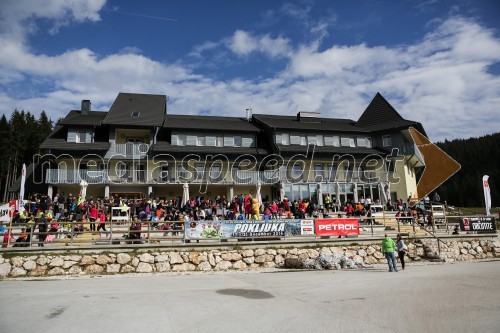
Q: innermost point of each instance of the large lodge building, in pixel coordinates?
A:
(137, 149)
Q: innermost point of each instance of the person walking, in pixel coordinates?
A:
(401, 248)
(388, 248)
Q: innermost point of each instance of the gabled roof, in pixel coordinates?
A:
(62, 144)
(323, 124)
(74, 117)
(137, 110)
(380, 115)
(209, 123)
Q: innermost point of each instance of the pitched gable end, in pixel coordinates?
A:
(379, 111)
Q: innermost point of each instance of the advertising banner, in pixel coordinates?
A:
(242, 229)
(479, 224)
(307, 227)
(337, 227)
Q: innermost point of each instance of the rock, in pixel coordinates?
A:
(18, 271)
(369, 260)
(350, 253)
(162, 266)
(312, 253)
(2, 260)
(293, 251)
(249, 260)
(259, 252)
(56, 262)
(94, 269)
(68, 264)
(479, 250)
(103, 260)
(75, 270)
(269, 264)
(378, 255)
(236, 257)
(226, 256)
(279, 260)
(204, 266)
(87, 261)
(175, 258)
(362, 253)
(146, 258)
(260, 259)
(56, 271)
(223, 265)
(325, 250)
(144, 267)
(239, 265)
(127, 269)
(303, 256)
(218, 259)
(123, 258)
(135, 261)
(113, 268)
(185, 267)
(254, 265)
(161, 258)
(73, 258)
(17, 261)
(194, 258)
(247, 253)
(29, 265)
(293, 263)
(284, 252)
(211, 259)
(39, 270)
(271, 252)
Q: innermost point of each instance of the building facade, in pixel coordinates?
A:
(137, 149)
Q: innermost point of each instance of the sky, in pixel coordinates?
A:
(435, 61)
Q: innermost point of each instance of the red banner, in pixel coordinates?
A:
(337, 227)
(12, 207)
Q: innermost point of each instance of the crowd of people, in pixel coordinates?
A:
(51, 215)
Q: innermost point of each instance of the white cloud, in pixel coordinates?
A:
(441, 80)
(243, 43)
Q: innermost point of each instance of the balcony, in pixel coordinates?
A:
(58, 176)
(128, 150)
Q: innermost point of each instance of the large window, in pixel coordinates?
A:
(318, 172)
(81, 137)
(220, 141)
(181, 140)
(319, 141)
(285, 139)
(200, 140)
(237, 141)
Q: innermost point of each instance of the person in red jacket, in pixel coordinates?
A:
(93, 212)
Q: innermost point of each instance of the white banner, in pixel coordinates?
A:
(21, 190)
(487, 195)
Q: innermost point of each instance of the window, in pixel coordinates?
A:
(312, 139)
(135, 114)
(319, 140)
(200, 140)
(361, 142)
(220, 141)
(237, 141)
(368, 142)
(318, 172)
(345, 141)
(181, 140)
(336, 141)
(302, 140)
(81, 137)
(295, 139)
(297, 170)
(285, 139)
(386, 141)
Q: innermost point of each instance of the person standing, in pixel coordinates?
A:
(388, 249)
(401, 248)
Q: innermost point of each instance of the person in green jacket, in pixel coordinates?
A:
(388, 249)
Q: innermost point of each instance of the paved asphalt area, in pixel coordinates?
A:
(462, 297)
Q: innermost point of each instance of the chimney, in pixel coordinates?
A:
(85, 107)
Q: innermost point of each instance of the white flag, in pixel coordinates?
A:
(21, 190)
(487, 195)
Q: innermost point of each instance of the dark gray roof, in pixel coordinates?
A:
(209, 123)
(166, 147)
(62, 144)
(74, 117)
(322, 124)
(150, 108)
(380, 115)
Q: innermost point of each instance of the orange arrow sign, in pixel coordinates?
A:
(439, 166)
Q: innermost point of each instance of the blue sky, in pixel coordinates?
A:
(437, 62)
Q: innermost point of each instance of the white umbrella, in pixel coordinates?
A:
(383, 194)
(83, 189)
(282, 192)
(320, 196)
(337, 202)
(388, 191)
(259, 196)
(231, 193)
(185, 194)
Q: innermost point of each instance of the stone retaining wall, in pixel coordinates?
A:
(222, 260)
